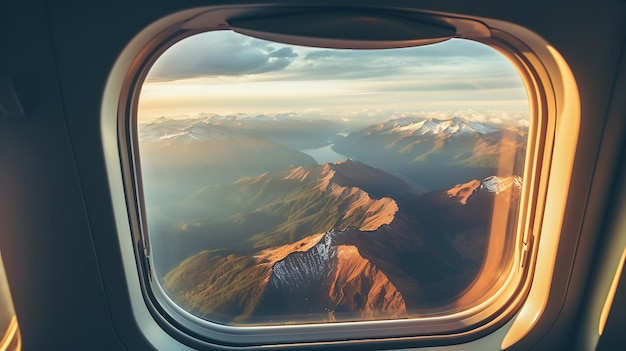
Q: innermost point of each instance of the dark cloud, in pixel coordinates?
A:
(231, 54)
(459, 49)
(219, 54)
(319, 54)
(283, 53)
(462, 57)
(454, 65)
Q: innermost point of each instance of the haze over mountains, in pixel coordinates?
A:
(434, 153)
(286, 129)
(246, 227)
(181, 156)
(427, 153)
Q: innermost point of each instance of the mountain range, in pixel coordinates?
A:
(246, 227)
(360, 257)
(287, 129)
(274, 208)
(432, 153)
(178, 157)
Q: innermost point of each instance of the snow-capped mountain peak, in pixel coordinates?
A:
(212, 126)
(433, 126)
(181, 130)
(493, 184)
(497, 185)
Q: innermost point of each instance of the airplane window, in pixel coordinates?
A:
(288, 185)
(10, 340)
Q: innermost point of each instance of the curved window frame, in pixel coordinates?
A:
(545, 104)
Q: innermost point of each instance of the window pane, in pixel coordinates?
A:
(286, 184)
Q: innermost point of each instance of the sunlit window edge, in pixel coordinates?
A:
(565, 109)
(11, 336)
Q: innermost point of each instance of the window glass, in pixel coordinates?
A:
(286, 184)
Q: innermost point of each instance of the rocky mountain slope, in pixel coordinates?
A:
(274, 209)
(417, 260)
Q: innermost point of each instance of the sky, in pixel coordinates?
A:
(225, 73)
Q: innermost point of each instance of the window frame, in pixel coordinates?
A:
(543, 101)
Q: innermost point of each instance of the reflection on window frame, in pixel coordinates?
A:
(11, 339)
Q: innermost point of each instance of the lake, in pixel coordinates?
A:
(325, 154)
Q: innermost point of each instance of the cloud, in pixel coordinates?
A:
(453, 58)
(226, 71)
(283, 53)
(320, 54)
(220, 54)
(227, 53)
(447, 84)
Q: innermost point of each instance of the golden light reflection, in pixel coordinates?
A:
(11, 339)
(611, 295)
(565, 111)
(498, 254)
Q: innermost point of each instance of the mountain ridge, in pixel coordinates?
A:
(275, 208)
(395, 270)
(492, 184)
(286, 129)
(434, 153)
